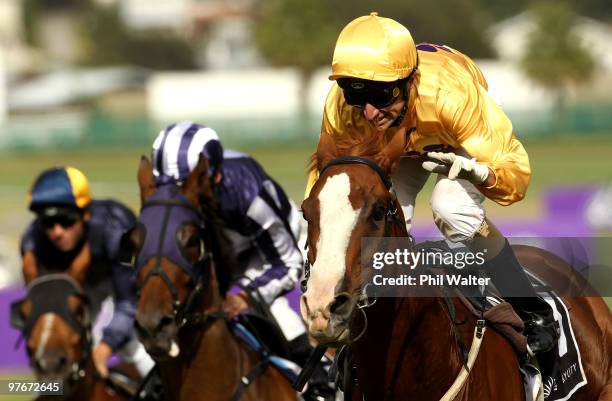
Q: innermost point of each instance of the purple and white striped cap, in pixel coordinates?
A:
(177, 148)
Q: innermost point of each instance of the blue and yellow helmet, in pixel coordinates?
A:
(60, 186)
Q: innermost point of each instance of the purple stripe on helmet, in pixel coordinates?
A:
(160, 151)
(183, 153)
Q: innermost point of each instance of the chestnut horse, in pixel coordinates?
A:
(54, 319)
(408, 349)
(179, 318)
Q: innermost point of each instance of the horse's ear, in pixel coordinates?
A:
(146, 181)
(198, 184)
(391, 153)
(326, 150)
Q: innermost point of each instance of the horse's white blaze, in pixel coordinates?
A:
(337, 220)
(44, 336)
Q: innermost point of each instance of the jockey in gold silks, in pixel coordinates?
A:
(385, 83)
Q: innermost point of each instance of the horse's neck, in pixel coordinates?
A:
(413, 336)
(208, 354)
(207, 358)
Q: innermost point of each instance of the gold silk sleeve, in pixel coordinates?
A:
(485, 133)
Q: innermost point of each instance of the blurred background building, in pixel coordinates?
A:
(91, 82)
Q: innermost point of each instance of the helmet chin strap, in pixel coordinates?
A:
(402, 113)
(405, 96)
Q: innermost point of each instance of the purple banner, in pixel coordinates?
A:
(10, 358)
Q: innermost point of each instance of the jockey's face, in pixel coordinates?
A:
(382, 102)
(381, 119)
(65, 236)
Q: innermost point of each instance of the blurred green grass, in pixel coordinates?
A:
(558, 161)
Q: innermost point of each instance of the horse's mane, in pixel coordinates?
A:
(225, 261)
(351, 144)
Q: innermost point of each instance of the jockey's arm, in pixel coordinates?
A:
(120, 328)
(485, 134)
(283, 260)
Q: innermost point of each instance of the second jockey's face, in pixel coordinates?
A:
(65, 239)
(381, 119)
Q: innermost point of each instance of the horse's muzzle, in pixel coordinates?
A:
(52, 366)
(159, 336)
(330, 325)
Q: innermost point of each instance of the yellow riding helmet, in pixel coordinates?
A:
(374, 48)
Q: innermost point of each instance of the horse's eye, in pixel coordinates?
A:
(191, 243)
(378, 211)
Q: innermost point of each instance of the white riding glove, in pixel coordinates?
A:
(455, 166)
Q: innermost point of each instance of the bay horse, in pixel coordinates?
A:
(179, 317)
(408, 349)
(54, 318)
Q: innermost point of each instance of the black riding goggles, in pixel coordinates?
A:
(358, 92)
(64, 220)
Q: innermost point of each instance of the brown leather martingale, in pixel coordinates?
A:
(504, 320)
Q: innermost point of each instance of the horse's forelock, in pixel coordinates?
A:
(384, 150)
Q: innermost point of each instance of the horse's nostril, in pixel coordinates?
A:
(51, 364)
(149, 327)
(164, 322)
(140, 330)
(341, 305)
